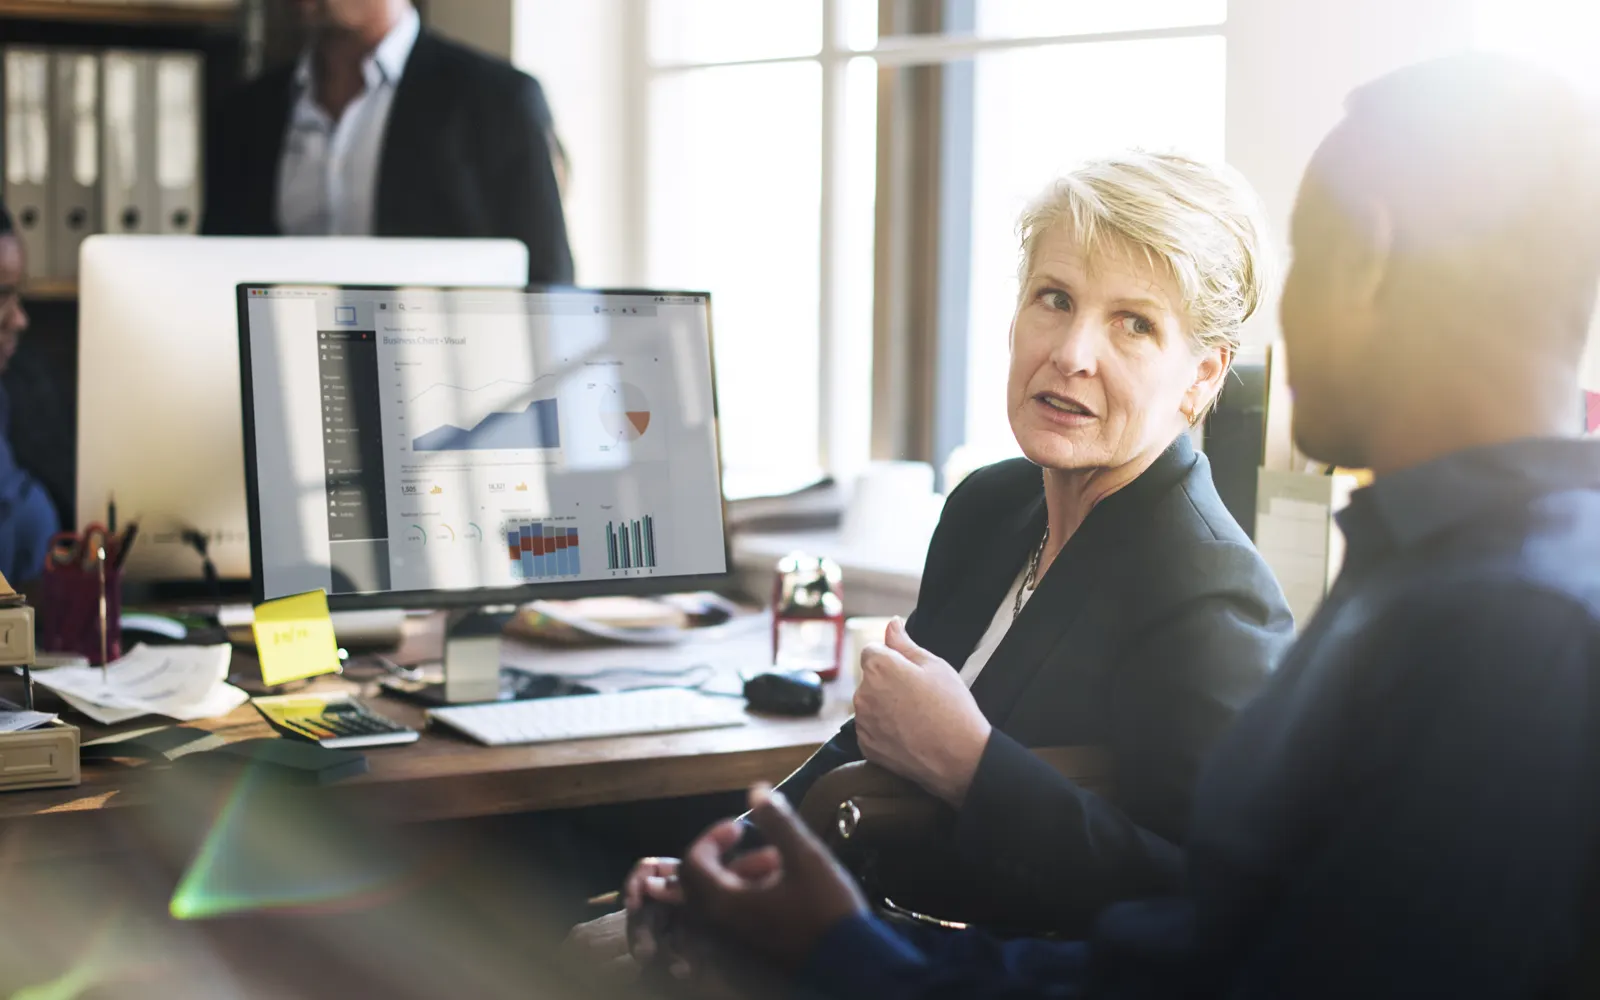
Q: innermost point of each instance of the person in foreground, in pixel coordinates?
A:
(1411, 807)
(27, 516)
(1096, 592)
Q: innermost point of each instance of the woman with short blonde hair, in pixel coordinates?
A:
(1095, 593)
(1200, 224)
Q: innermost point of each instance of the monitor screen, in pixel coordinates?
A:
(425, 446)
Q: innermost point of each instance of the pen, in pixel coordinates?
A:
(124, 544)
(606, 899)
(111, 514)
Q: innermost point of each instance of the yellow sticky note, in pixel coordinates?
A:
(294, 638)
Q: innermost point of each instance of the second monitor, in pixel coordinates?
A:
(158, 374)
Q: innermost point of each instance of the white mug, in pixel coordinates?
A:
(858, 634)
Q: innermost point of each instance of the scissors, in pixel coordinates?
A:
(81, 548)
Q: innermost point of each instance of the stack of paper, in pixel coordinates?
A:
(181, 682)
(15, 719)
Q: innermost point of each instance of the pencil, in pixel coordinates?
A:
(606, 899)
(105, 661)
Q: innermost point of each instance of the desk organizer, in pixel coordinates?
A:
(46, 757)
(69, 613)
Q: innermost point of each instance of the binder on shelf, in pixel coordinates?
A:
(27, 150)
(178, 77)
(75, 153)
(130, 202)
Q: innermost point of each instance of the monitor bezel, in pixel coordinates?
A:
(484, 596)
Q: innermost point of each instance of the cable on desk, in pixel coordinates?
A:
(197, 540)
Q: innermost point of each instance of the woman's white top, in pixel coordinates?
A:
(997, 630)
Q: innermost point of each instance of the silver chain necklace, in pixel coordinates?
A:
(1032, 579)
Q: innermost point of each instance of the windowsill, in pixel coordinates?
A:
(875, 583)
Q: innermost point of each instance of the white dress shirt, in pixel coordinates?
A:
(998, 627)
(328, 179)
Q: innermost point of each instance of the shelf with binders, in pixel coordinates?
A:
(120, 13)
(105, 140)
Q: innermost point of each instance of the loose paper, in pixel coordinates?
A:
(294, 638)
(180, 682)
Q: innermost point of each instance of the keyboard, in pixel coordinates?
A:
(587, 716)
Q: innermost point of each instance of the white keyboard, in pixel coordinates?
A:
(586, 716)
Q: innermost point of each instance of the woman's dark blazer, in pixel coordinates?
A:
(1154, 626)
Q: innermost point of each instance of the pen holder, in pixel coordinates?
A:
(69, 612)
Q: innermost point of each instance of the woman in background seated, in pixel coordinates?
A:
(1095, 592)
(27, 517)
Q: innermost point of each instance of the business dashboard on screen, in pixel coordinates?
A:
(430, 439)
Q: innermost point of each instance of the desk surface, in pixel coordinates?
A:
(445, 776)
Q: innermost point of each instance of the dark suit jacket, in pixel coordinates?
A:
(1153, 627)
(466, 154)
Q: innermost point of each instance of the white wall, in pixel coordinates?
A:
(589, 55)
(1290, 65)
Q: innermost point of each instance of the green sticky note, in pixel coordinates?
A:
(294, 638)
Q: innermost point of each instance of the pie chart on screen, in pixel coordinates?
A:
(625, 414)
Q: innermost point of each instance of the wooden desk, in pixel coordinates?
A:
(445, 776)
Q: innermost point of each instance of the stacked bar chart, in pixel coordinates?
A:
(631, 544)
(541, 550)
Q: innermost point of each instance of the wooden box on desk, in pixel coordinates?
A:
(46, 757)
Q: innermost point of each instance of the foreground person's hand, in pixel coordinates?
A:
(597, 943)
(774, 903)
(650, 892)
(603, 946)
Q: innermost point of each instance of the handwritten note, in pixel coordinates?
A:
(294, 638)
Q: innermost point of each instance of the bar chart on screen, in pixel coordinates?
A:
(631, 544)
(544, 549)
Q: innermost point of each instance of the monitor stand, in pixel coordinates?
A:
(472, 654)
(472, 671)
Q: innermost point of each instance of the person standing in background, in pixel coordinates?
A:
(382, 128)
(27, 516)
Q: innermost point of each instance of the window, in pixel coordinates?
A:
(760, 190)
(736, 203)
(772, 182)
(1005, 95)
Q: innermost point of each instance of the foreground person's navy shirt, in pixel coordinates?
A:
(1410, 807)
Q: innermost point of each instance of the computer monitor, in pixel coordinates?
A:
(158, 376)
(425, 447)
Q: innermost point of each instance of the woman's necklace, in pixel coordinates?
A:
(1032, 579)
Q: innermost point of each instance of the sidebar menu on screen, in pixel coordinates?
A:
(352, 449)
